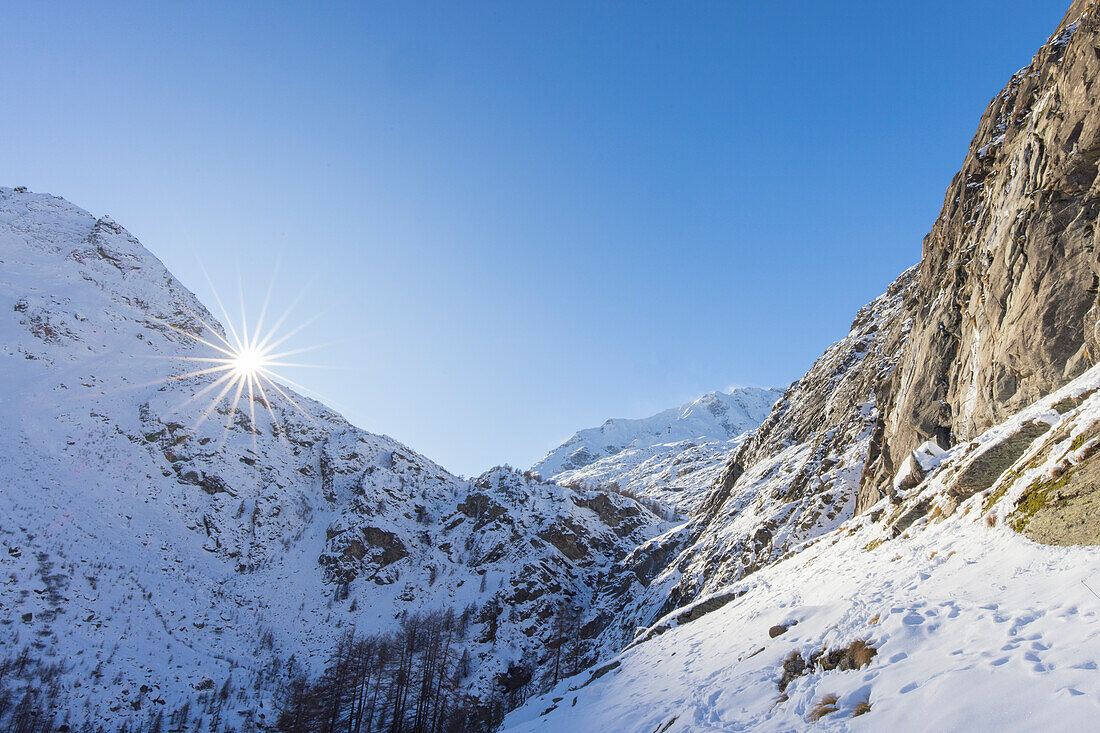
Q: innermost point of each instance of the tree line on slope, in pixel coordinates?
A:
(407, 680)
(415, 680)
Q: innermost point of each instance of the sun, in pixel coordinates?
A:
(242, 365)
(249, 362)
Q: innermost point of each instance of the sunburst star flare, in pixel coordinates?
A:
(241, 363)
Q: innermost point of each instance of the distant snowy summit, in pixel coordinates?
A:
(716, 416)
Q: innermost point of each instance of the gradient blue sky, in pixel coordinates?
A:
(527, 217)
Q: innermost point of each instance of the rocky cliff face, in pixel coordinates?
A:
(1006, 297)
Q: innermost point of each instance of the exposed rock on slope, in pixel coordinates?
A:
(1034, 473)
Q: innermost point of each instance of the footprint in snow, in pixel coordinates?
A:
(1033, 657)
(913, 619)
(1023, 621)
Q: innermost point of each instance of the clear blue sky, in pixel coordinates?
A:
(529, 217)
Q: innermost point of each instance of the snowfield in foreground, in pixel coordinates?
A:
(975, 626)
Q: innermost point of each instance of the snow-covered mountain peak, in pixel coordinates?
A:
(716, 416)
(54, 250)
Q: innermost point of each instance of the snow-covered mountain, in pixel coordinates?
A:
(670, 457)
(715, 416)
(155, 549)
(951, 620)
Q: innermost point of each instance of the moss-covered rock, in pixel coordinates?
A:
(1066, 404)
(1062, 510)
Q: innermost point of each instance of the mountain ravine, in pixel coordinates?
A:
(905, 539)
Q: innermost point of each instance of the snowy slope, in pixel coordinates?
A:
(975, 626)
(670, 457)
(148, 550)
(674, 475)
